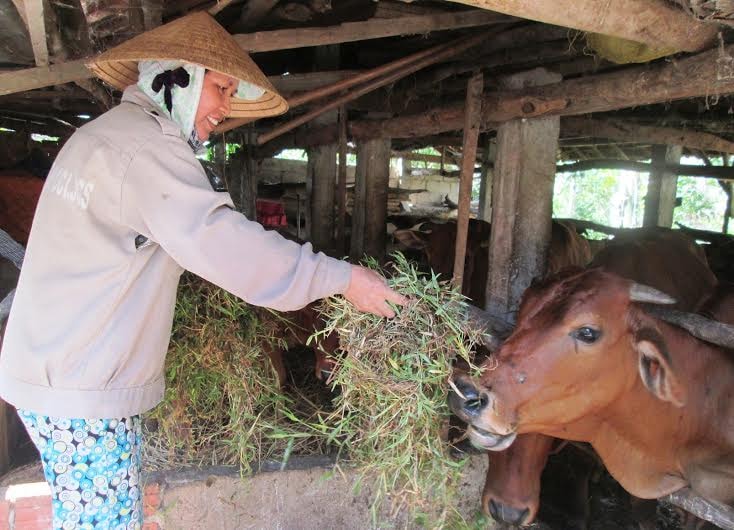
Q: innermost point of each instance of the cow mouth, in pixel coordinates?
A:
(490, 441)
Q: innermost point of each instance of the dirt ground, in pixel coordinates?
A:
(313, 495)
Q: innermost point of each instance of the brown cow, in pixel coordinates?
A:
(295, 329)
(665, 259)
(587, 363)
(438, 241)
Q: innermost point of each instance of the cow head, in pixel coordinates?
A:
(580, 345)
(512, 488)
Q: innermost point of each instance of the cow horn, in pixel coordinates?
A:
(711, 331)
(645, 293)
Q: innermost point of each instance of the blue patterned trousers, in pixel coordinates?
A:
(93, 469)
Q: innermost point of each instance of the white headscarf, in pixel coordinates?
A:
(184, 99)
(184, 96)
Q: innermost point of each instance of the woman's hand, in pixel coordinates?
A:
(368, 292)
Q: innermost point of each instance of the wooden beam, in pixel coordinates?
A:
(42, 76)
(20, 7)
(693, 76)
(37, 30)
(469, 155)
(441, 52)
(633, 132)
(13, 81)
(653, 22)
(717, 172)
(28, 79)
(253, 12)
(264, 41)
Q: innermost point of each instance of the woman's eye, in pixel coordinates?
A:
(586, 334)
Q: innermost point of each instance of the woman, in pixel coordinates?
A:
(125, 209)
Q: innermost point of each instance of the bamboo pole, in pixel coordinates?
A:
(344, 84)
(445, 51)
(472, 117)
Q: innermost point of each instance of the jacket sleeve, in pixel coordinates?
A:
(167, 197)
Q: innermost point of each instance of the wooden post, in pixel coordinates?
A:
(369, 215)
(247, 190)
(485, 186)
(521, 202)
(322, 167)
(342, 183)
(472, 117)
(321, 173)
(661, 187)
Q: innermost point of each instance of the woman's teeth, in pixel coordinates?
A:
(212, 121)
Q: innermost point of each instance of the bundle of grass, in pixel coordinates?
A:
(223, 403)
(392, 410)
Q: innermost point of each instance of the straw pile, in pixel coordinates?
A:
(391, 414)
(223, 403)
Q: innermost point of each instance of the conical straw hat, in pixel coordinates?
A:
(196, 39)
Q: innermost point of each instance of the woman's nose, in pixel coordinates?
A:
(226, 106)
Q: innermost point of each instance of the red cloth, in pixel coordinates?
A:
(270, 213)
(19, 194)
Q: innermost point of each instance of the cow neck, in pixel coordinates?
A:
(660, 448)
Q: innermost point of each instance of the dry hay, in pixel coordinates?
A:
(223, 404)
(391, 415)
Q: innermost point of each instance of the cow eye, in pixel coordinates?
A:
(586, 334)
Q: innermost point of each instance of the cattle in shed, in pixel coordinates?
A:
(437, 241)
(588, 363)
(294, 329)
(665, 259)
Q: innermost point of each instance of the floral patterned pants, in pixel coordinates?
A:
(93, 469)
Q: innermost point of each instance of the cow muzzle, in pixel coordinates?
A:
(473, 405)
(507, 514)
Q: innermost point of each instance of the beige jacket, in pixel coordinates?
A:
(91, 320)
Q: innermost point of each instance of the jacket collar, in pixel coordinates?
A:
(134, 95)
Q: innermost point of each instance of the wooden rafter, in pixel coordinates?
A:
(263, 41)
(633, 132)
(31, 78)
(20, 7)
(653, 22)
(693, 76)
(718, 172)
(35, 22)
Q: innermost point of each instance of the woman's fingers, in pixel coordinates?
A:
(369, 292)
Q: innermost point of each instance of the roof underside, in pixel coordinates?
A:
(80, 28)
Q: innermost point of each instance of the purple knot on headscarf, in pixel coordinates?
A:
(167, 79)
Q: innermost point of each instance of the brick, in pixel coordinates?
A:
(33, 513)
(151, 498)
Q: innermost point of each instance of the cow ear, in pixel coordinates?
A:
(410, 239)
(657, 374)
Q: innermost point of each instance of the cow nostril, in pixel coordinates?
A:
(508, 514)
(494, 510)
(475, 404)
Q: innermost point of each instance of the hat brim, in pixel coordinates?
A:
(204, 43)
(121, 74)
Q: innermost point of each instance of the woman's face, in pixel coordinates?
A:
(214, 102)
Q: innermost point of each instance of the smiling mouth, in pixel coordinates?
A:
(490, 441)
(212, 121)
